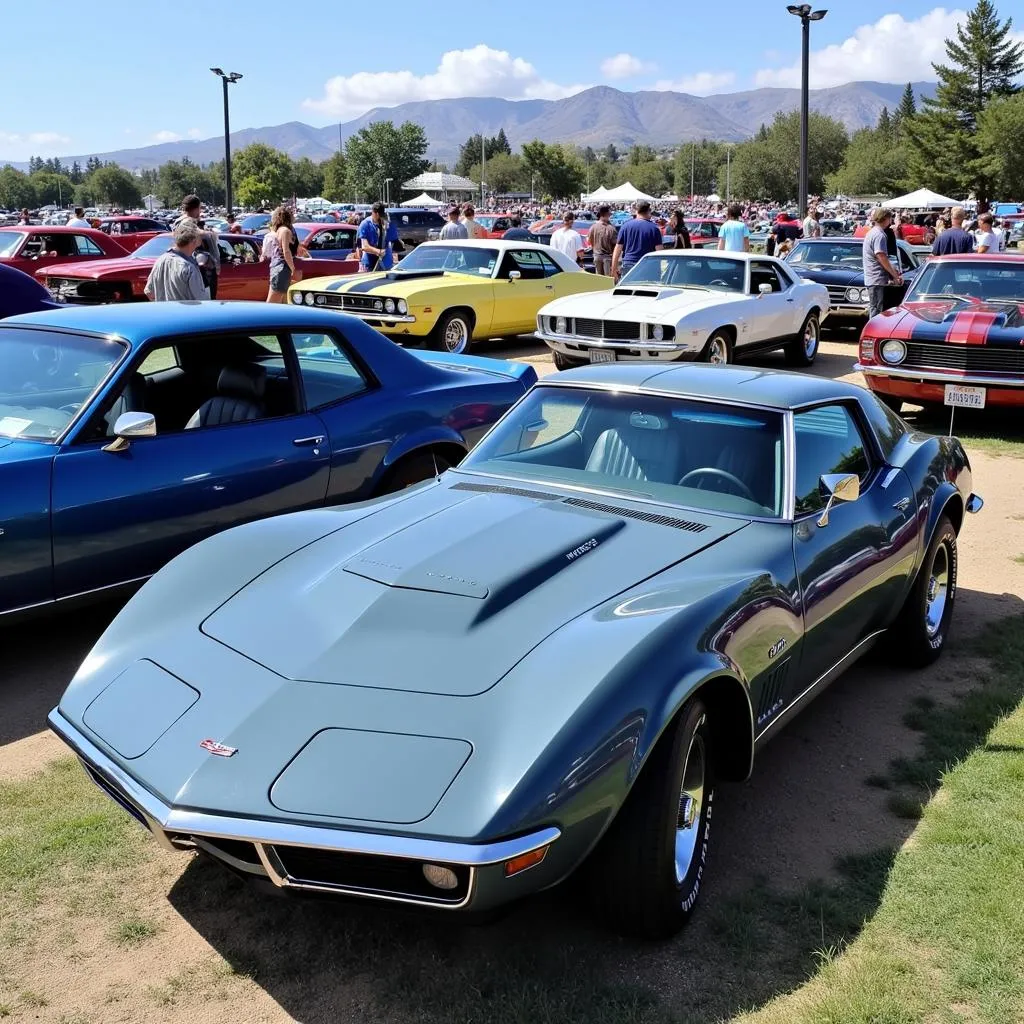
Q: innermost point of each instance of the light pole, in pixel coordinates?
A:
(387, 190)
(227, 79)
(806, 16)
(728, 174)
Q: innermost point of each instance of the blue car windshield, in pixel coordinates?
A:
(47, 378)
(676, 451)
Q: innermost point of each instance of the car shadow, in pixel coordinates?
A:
(38, 657)
(801, 854)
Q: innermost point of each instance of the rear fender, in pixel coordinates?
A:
(418, 441)
(522, 372)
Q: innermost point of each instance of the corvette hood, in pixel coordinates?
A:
(99, 268)
(448, 603)
(639, 303)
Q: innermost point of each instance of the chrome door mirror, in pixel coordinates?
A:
(764, 289)
(514, 275)
(128, 427)
(838, 487)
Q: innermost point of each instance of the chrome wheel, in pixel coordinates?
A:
(810, 337)
(456, 335)
(718, 350)
(691, 803)
(938, 591)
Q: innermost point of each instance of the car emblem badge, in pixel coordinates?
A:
(220, 749)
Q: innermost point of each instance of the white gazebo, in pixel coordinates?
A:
(440, 182)
(423, 200)
(922, 199)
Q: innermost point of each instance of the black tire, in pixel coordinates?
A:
(440, 337)
(563, 362)
(413, 469)
(918, 636)
(718, 349)
(803, 349)
(632, 876)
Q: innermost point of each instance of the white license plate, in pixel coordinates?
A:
(964, 398)
(598, 355)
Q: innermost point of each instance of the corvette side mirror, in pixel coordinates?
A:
(764, 289)
(129, 426)
(514, 275)
(838, 487)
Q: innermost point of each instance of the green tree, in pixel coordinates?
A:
(309, 178)
(498, 144)
(641, 154)
(469, 154)
(653, 176)
(884, 126)
(16, 189)
(177, 179)
(983, 62)
(52, 188)
(76, 173)
(559, 173)
(94, 163)
(903, 119)
(261, 175)
(115, 185)
(875, 164)
(504, 173)
(611, 154)
(1001, 144)
(381, 151)
(335, 171)
(35, 165)
(704, 158)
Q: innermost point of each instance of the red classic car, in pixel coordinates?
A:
(131, 231)
(912, 234)
(243, 275)
(30, 248)
(957, 339)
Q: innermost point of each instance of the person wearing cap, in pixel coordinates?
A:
(879, 272)
(567, 239)
(454, 228)
(376, 237)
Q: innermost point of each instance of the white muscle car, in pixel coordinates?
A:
(689, 304)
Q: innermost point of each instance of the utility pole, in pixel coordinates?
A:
(483, 158)
(693, 164)
(806, 16)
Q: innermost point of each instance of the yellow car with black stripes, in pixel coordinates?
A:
(447, 293)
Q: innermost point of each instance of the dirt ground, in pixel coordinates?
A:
(220, 945)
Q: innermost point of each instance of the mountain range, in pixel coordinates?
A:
(594, 117)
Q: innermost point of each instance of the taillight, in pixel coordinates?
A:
(867, 349)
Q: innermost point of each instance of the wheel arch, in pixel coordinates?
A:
(444, 441)
(947, 502)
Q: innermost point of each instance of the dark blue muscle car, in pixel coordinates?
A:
(128, 433)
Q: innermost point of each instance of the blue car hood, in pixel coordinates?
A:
(845, 276)
(448, 601)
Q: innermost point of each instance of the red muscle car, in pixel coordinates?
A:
(957, 339)
(131, 231)
(243, 275)
(31, 248)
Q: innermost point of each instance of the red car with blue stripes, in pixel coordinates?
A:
(957, 339)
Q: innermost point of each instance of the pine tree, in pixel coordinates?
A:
(76, 173)
(983, 62)
(908, 105)
(501, 143)
(611, 154)
(884, 127)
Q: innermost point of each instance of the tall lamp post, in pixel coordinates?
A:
(227, 79)
(806, 16)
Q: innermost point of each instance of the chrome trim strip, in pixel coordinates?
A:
(198, 823)
(277, 874)
(936, 375)
(73, 597)
(789, 465)
(388, 318)
(828, 676)
(654, 346)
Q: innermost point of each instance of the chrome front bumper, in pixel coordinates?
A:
(577, 347)
(178, 829)
(931, 375)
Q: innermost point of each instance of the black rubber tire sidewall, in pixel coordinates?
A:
(706, 354)
(437, 335)
(413, 469)
(795, 353)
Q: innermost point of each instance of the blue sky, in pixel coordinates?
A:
(111, 74)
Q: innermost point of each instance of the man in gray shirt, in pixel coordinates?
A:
(878, 269)
(175, 275)
(454, 229)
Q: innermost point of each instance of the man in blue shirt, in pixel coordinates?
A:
(636, 238)
(734, 235)
(377, 254)
(954, 239)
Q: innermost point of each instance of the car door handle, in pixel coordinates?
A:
(316, 439)
(790, 300)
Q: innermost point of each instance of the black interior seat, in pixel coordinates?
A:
(239, 398)
(646, 449)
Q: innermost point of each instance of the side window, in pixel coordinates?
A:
(827, 441)
(86, 246)
(906, 260)
(528, 262)
(763, 273)
(158, 360)
(328, 372)
(550, 266)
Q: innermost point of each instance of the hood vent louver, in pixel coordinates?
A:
(632, 513)
(518, 492)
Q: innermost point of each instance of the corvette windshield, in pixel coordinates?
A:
(987, 279)
(47, 378)
(828, 254)
(467, 259)
(694, 270)
(675, 451)
(156, 246)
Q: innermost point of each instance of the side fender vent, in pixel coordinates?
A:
(632, 513)
(519, 492)
(770, 702)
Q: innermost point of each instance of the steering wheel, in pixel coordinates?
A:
(718, 280)
(722, 474)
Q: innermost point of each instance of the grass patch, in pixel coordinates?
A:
(133, 931)
(947, 941)
(1019, 559)
(989, 431)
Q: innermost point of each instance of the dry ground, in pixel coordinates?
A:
(169, 938)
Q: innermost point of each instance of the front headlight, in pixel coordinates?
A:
(403, 306)
(853, 295)
(378, 305)
(655, 332)
(560, 325)
(297, 298)
(321, 300)
(389, 305)
(893, 351)
(865, 295)
(308, 298)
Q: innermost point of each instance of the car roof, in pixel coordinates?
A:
(718, 254)
(51, 229)
(970, 257)
(486, 243)
(135, 322)
(773, 389)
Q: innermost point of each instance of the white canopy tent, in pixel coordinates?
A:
(627, 193)
(713, 198)
(922, 199)
(423, 200)
(599, 195)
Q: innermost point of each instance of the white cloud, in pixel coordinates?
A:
(480, 71)
(20, 146)
(169, 136)
(625, 65)
(893, 49)
(702, 83)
